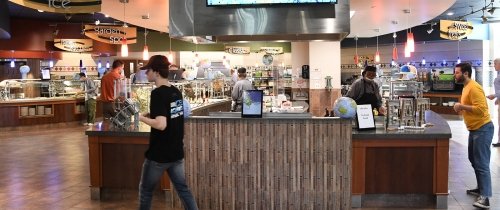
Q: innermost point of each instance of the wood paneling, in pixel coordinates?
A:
(389, 170)
(401, 166)
(269, 163)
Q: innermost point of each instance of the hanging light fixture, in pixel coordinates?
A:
(377, 54)
(145, 52)
(356, 57)
(394, 48)
(51, 62)
(170, 54)
(107, 64)
(411, 41)
(99, 64)
(12, 63)
(423, 60)
(393, 63)
(124, 48)
(407, 51)
(458, 57)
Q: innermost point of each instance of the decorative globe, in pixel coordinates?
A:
(345, 107)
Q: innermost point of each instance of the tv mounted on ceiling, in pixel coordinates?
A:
(265, 2)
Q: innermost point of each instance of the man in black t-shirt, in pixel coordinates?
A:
(166, 149)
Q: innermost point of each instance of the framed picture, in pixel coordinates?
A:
(364, 117)
(252, 103)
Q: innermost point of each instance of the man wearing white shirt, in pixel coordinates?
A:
(496, 95)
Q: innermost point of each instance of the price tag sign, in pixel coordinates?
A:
(364, 117)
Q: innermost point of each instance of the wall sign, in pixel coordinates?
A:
(454, 30)
(272, 50)
(62, 6)
(364, 117)
(237, 50)
(74, 45)
(111, 34)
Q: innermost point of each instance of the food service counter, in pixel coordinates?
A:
(235, 163)
(440, 101)
(392, 165)
(35, 111)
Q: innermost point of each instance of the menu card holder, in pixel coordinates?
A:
(364, 117)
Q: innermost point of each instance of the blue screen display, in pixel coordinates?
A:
(258, 2)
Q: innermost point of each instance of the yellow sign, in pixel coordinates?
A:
(237, 50)
(74, 45)
(62, 6)
(111, 34)
(272, 50)
(454, 30)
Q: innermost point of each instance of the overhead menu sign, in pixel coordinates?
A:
(454, 30)
(237, 50)
(111, 34)
(272, 50)
(74, 45)
(62, 6)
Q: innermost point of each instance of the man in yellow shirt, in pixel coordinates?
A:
(474, 109)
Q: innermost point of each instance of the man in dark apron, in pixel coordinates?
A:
(366, 91)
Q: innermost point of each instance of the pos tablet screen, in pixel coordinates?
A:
(252, 103)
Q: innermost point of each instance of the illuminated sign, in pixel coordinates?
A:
(62, 6)
(237, 50)
(454, 30)
(111, 34)
(74, 45)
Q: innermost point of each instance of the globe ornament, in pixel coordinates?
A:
(407, 72)
(24, 71)
(345, 107)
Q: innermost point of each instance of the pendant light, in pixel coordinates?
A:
(411, 41)
(107, 64)
(423, 61)
(170, 56)
(145, 52)
(377, 54)
(99, 64)
(458, 57)
(51, 62)
(356, 57)
(394, 48)
(407, 51)
(12, 63)
(124, 48)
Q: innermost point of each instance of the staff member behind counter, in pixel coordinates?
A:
(366, 91)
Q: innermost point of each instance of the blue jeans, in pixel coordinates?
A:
(150, 176)
(479, 156)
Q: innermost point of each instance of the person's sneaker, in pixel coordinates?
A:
(496, 144)
(90, 124)
(473, 192)
(482, 202)
(85, 124)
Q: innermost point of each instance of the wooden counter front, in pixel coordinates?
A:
(235, 163)
(63, 109)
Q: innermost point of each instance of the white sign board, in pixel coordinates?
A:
(365, 118)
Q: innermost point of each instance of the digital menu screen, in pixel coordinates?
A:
(261, 2)
(252, 103)
(46, 74)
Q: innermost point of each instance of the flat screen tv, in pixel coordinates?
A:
(252, 103)
(265, 2)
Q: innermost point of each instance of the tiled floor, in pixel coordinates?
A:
(46, 167)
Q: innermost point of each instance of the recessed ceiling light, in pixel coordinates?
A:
(450, 13)
(40, 10)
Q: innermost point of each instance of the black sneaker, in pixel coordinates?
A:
(482, 202)
(496, 144)
(473, 192)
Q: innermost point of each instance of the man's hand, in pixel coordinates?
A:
(491, 97)
(457, 107)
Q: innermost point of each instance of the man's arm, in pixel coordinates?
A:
(158, 123)
(354, 90)
(478, 106)
(236, 91)
(91, 88)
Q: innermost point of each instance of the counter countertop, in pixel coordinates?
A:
(441, 129)
(40, 99)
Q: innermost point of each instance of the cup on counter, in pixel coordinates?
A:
(445, 104)
(451, 103)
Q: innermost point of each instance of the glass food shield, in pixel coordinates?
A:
(252, 103)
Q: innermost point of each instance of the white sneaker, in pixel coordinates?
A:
(85, 124)
(90, 124)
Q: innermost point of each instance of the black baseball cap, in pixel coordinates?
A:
(157, 63)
